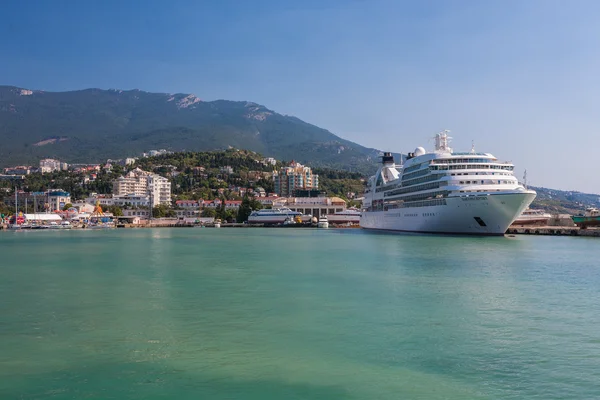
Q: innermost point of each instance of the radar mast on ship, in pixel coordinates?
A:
(442, 141)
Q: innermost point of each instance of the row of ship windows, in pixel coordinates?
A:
(407, 176)
(430, 178)
(419, 188)
(471, 166)
(487, 182)
(413, 168)
(461, 160)
(392, 206)
(384, 188)
(481, 173)
(422, 196)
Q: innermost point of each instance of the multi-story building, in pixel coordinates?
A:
(294, 177)
(145, 184)
(18, 170)
(159, 189)
(51, 165)
(126, 201)
(315, 206)
(57, 199)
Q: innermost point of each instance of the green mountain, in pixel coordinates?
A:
(92, 125)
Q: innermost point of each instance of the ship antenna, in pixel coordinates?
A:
(472, 147)
(525, 179)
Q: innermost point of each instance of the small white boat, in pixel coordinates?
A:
(53, 225)
(323, 222)
(65, 225)
(217, 223)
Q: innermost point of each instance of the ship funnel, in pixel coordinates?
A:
(387, 158)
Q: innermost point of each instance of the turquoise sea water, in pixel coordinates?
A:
(297, 314)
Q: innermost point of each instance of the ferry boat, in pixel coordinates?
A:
(351, 215)
(591, 217)
(444, 192)
(532, 217)
(275, 216)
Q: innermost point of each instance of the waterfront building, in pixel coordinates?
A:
(57, 199)
(127, 201)
(315, 206)
(294, 177)
(188, 213)
(141, 213)
(267, 201)
(144, 184)
(159, 189)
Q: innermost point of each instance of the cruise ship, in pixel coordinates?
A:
(444, 192)
(275, 216)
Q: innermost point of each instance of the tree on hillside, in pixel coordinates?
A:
(249, 204)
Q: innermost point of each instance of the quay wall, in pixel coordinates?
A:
(553, 231)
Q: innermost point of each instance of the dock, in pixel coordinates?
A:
(553, 231)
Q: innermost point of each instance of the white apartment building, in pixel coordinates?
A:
(144, 184)
(159, 190)
(121, 201)
(50, 165)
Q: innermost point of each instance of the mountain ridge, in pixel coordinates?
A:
(94, 124)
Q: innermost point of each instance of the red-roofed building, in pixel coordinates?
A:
(233, 204)
(189, 203)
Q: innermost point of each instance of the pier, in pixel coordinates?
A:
(553, 231)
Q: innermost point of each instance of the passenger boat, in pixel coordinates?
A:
(444, 191)
(276, 216)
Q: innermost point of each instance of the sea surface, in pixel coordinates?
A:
(266, 314)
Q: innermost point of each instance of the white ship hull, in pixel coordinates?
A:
(483, 214)
(275, 219)
(342, 219)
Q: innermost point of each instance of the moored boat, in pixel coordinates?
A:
(532, 217)
(591, 217)
(276, 216)
(323, 222)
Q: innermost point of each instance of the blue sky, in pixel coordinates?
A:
(519, 78)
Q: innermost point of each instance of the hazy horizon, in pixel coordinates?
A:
(516, 78)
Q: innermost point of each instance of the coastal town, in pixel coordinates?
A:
(138, 192)
(151, 191)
